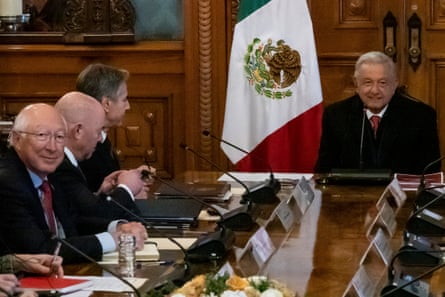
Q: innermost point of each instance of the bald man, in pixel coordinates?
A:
(27, 223)
(85, 119)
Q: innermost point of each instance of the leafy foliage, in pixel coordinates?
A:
(216, 284)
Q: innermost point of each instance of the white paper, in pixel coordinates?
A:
(165, 244)
(107, 284)
(362, 283)
(262, 246)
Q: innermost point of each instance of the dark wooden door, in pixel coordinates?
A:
(344, 29)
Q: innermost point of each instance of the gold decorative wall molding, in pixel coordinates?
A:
(205, 76)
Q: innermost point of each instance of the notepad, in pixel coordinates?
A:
(60, 285)
(149, 253)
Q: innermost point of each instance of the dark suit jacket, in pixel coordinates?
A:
(23, 228)
(95, 212)
(103, 162)
(407, 137)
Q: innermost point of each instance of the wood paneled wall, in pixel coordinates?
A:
(177, 89)
(155, 123)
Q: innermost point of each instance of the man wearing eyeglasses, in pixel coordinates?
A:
(32, 217)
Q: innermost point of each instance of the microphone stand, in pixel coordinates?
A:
(274, 183)
(261, 194)
(362, 136)
(403, 251)
(422, 177)
(418, 278)
(426, 225)
(426, 205)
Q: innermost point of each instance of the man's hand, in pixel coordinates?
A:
(110, 182)
(9, 285)
(132, 179)
(147, 173)
(135, 228)
(39, 264)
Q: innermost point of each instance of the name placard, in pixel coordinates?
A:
(301, 198)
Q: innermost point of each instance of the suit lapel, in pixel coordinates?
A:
(70, 166)
(390, 129)
(30, 193)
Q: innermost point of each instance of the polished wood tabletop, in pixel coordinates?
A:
(322, 252)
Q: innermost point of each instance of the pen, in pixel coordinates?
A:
(155, 263)
(55, 254)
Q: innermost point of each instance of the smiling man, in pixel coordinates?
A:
(378, 127)
(35, 207)
(31, 221)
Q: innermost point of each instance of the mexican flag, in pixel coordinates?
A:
(274, 98)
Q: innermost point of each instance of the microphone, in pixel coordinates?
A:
(424, 171)
(405, 285)
(76, 250)
(417, 254)
(428, 204)
(213, 246)
(274, 183)
(260, 194)
(362, 136)
(425, 222)
(420, 289)
(427, 195)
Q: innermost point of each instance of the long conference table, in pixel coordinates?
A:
(322, 252)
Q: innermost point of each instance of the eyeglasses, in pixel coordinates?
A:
(45, 136)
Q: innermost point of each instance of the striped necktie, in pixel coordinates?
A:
(47, 203)
(375, 121)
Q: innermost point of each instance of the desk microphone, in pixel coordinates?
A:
(428, 204)
(362, 136)
(415, 256)
(76, 250)
(212, 246)
(424, 171)
(418, 290)
(272, 183)
(427, 194)
(404, 285)
(257, 194)
(426, 223)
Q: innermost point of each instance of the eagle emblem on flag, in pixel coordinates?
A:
(272, 68)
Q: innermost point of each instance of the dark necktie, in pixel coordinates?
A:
(47, 203)
(375, 121)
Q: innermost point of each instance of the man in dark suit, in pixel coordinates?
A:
(405, 137)
(108, 85)
(27, 223)
(82, 137)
